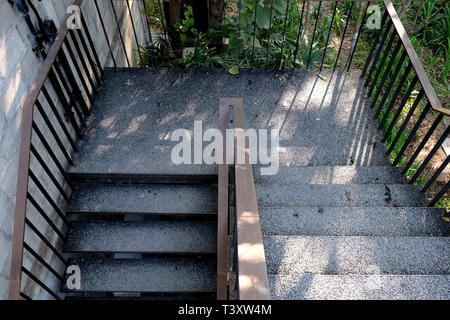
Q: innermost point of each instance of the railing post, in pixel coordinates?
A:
(222, 219)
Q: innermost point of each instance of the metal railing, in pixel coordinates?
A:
(73, 71)
(390, 88)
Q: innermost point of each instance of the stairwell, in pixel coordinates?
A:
(339, 222)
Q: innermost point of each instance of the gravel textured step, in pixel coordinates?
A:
(321, 122)
(333, 175)
(158, 199)
(370, 195)
(142, 237)
(146, 275)
(344, 221)
(360, 287)
(297, 255)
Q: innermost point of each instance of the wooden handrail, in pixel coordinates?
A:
(223, 209)
(415, 61)
(24, 162)
(253, 282)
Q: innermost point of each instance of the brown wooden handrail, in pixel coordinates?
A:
(223, 208)
(253, 282)
(415, 61)
(24, 162)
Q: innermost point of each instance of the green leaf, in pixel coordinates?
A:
(183, 37)
(263, 17)
(234, 70)
(236, 47)
(280, 6)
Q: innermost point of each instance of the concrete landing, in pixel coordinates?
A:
(323, 120)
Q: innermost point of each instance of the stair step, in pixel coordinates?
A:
(146, 199)
(369, 195)
(333, 175)
(161, 275)
(188, 297)
(174, 237)
(344, 221)
(357, 255)
(120, 178)
(360, 287)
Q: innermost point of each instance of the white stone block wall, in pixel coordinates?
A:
(18, 69)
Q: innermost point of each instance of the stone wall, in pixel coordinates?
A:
(18, 68)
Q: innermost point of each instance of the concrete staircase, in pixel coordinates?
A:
(338, 221)
(143, 240)
(347, 232)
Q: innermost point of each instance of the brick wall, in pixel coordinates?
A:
(18, 69)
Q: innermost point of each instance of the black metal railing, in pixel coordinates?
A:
(54, 113)
(72, 70)
(392, 73)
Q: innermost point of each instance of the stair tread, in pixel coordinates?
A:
(357, 255)
(158, 199)
(360, 287)
(333, 175)
(146, 275)
(360, 221)
(323, 195)
(142, 237)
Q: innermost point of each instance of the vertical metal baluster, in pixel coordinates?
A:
(357, 38)
(286, 17)
(40, 283)
(314, 35)
(430, 155)
(270, 32)
(343, 35)
(299, 34)
(83, 64)
(50, 151)
(440, 195)
(106, 34)
(412, 134)
(91, 43)
(42, 261)
(96, 70)
(400, 107)
(45, 216)
(147, 22)
(53, 132)
(47, 196)
(436, 174)
(74, 84)
(374, 44)
(389, 87)
(239, 31)
(47, 243)
(328, 36)
(49, 173)
(373, 82)
(79, 73)
(394, 97)
(377, 54)
(386, 73)
(405, 122)
(254, 33)
(72, 99)
(424, 142)
(134, 30)
(58, 118)
(163, 20)
(24, 296)
(120, 32)
(66, 104)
